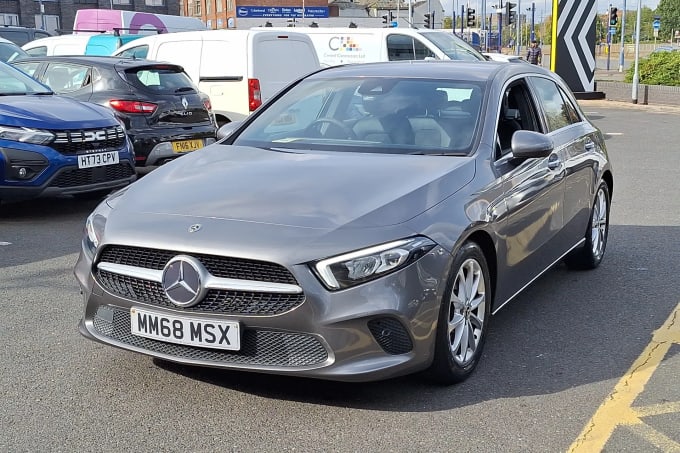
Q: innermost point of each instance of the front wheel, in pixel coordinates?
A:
(463, 317)
(590, 255)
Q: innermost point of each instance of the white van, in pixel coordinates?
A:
(80, 44)
(336, 46)
(238, 69)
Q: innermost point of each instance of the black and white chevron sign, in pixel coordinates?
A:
(574, 54)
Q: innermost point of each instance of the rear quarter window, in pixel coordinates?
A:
(160, 79)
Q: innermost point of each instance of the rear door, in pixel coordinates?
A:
(177, 100)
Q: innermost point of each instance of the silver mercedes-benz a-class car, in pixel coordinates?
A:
(365, 223)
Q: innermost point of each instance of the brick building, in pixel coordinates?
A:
(60, 14)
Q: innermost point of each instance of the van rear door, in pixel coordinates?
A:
(278, 58)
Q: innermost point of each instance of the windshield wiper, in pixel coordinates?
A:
(41, 93)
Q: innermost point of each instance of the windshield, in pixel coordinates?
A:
(13, 81)
(370, 114)
(10, 51)
(454, 47)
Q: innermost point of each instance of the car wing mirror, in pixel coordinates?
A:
(227, 129)
(530, 144)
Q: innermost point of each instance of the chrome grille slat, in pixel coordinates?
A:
(73, 141)
(227, 301)
(258, 347)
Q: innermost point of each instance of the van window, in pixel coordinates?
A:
(40, 51)
(135, 52)
(403, 47)
(452, 46)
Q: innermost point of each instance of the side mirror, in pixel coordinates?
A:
(530, 144)
(226, 130)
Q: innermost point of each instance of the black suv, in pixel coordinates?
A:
(22, 35)
(163, 112)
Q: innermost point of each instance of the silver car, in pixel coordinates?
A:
(365, 223)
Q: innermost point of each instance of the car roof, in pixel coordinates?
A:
(95, 60)
(474, 71)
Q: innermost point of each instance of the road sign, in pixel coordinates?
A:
(612, 30)
(656, 24)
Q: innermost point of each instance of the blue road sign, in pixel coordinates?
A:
(656, 24)
(612, 30)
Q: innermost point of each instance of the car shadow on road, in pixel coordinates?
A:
(568, 329)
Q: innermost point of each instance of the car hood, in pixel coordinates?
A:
(52, 112)
(308, 190)
(290, 207)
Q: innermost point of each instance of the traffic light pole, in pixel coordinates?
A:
(623, 34)
(609, 35)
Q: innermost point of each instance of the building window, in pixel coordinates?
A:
(155, 2)
(9, 19)
(121, 2)
(85, 1)
(220, 6)
(230, 5)
(209, 7)
(197, 8)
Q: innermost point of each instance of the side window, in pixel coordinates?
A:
(40, 34)
(28, 67)
(135, 52)
(557, 111)
(64, 78)
(572, 112)
(400, 47)
(37, 51)
(422, 51)
(517, 112)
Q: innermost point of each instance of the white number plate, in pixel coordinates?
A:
(205, 333)
(97, 159)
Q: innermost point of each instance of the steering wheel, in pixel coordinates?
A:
(314, 126)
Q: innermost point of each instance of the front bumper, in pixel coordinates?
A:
(381, 329)
(60, 175)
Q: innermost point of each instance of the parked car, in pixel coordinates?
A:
(10, 51)
(164, 114)
(365, 223)
(21, 35)
(54, 145)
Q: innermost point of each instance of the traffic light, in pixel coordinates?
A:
(613, 17)
(470, 17)
(388, 18)
(510, 13)
(429, 20)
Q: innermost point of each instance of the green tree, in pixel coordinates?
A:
(447, 22)
(669, 12)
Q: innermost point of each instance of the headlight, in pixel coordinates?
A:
(357, 267)
(95, 223)
(26, 135)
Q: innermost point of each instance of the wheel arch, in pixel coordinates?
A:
(609, 179)
(485, 242)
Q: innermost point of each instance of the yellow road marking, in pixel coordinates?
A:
(617, 409)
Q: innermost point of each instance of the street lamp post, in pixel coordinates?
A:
(636, 73)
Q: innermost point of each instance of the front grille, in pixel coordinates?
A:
(258, 347)
(85, 176)
(219, 266)
(74, 141)
(390, 335)
(216, 301)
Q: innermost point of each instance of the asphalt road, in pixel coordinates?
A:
(552, 358)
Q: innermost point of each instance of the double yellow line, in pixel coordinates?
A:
(618, 410)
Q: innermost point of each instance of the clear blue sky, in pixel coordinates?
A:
(602, 5)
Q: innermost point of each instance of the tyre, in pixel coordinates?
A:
(590, 255)
(463, 317)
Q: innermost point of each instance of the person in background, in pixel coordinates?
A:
(534, 53)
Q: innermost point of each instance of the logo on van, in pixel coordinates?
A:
(343, 44)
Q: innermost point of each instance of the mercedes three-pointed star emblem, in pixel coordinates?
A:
(183, 281)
